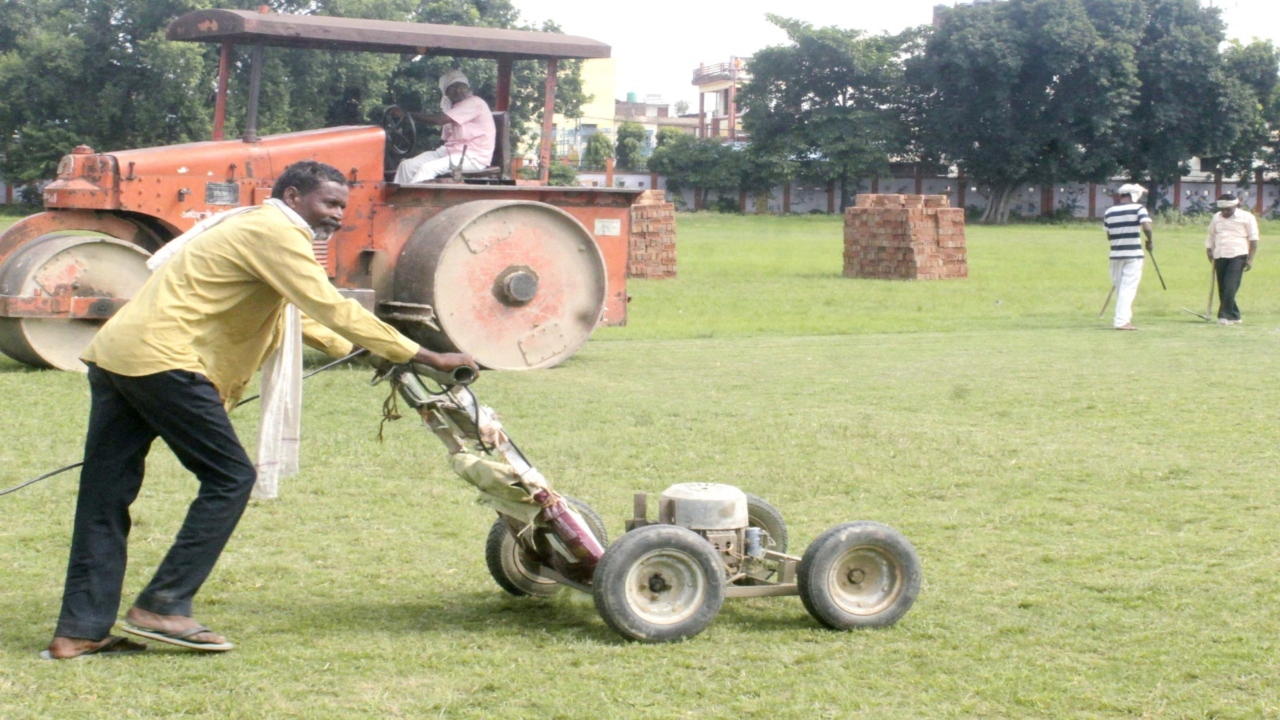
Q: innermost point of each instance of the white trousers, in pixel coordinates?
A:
(1125, 276)
(433, 164)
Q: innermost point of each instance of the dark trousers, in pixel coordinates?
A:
(125, 416)
(1230, 271)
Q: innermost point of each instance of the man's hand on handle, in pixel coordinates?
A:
(445, 362)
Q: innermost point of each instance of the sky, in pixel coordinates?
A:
(658, 44)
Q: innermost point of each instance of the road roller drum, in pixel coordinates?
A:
(517, 284)
(56, 269)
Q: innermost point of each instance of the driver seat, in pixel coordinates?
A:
(500, 166)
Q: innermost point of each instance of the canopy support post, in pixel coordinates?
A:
(502, 101)
(255, 87)
(220, 102)
(548, 115)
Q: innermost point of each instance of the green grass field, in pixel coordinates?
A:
(1097, 512)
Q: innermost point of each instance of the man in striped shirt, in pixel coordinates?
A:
(1126, 222)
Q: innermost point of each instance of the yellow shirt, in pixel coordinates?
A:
(217, 307)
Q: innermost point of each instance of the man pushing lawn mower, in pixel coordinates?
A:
(169, 365)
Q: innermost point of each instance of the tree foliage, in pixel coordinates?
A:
(100, 72)
(629, 149)
(1029, 91)
(830, 101)
(598, 151)
(1043, 91)
(706, 165)
(1189, 103)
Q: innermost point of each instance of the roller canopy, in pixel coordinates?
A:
(338, 33)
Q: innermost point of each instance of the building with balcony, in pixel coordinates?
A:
(719, 82)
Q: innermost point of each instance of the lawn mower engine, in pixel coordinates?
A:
(719, 514)
(666, 579)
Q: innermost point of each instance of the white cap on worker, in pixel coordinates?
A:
(1133, 190)
(453, 76)
(1224, 202)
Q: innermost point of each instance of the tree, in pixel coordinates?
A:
(1188, 104)
(1253, 69)
(630, 146)
(598, 151)
(701, 164)
(1027, 91)
(98, 72)
(831, 101)
(682, 107)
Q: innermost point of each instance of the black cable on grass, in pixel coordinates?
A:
(335, 363)
(317, 371)
(42, 477)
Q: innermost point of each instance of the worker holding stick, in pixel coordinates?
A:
(1230, 246)
(1126, 222)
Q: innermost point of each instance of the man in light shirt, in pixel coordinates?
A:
(169, 365)
(467, 130)
(1232, 241)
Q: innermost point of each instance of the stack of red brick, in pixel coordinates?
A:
(653, 237)
(904, 237)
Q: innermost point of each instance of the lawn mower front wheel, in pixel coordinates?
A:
(859, 575)
(659, 583)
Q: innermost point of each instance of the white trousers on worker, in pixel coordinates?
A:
(433, 164)
(1125, 276)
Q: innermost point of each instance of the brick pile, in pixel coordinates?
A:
(904, 237)
(653, 237)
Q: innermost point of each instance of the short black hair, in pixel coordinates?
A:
(306, 175)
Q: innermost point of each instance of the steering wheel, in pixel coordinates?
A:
(402, 133)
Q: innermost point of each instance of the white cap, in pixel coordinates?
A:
(1224, 204)
(451, 77)
(1133, 190)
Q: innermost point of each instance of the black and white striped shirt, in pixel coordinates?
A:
(1124, 228)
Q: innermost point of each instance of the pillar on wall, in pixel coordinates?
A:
(961, 186)
(1258, 204)
(1217, 184)
(1177, 194)
(1046, 200)
(1093, 200)
(742, 201)
(786, 198)
(831, 197)
(875, 185)
(702, 115)
(653, 181)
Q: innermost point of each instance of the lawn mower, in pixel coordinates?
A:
(664, 579)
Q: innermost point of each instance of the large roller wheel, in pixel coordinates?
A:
(91, 267)
(859, 575)
(518, 284)
(515, 569)
(659, 583)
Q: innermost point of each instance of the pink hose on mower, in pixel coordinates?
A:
(569, 528)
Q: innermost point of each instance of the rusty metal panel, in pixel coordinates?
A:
(64, 306)
(385, 36)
